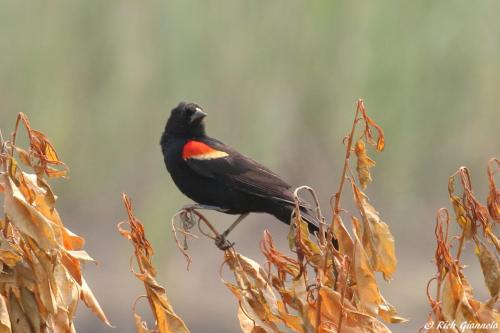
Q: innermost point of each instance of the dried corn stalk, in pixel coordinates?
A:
(41, 278)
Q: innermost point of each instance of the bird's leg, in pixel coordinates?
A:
(205, 207)
(235, 223)
(221, 240)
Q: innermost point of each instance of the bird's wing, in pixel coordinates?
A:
(211, 158)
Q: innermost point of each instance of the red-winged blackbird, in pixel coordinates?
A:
(216, 175)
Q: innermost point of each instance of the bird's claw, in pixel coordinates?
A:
(222, 243)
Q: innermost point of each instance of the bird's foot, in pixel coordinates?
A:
(222, 243)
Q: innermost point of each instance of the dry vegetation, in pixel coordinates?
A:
(454, 301)
(41, 277)
(312, 288)
(166, 319)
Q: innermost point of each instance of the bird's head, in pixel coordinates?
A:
(186, 120)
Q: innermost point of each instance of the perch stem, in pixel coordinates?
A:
(337, 195)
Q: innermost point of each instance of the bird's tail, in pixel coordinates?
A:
(312, 221)
(313, 224)
(284, 213)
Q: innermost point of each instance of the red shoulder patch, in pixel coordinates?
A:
(201, 151)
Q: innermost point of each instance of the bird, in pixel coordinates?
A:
(216, 176)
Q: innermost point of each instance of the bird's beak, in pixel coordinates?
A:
(198, 115)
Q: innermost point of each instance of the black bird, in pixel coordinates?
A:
(218, 177)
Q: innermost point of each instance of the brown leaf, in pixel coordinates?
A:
(342, 235)
(461, 217)
(27, 217)
(377, 234)
(300, 241)
(490, 267)
(256, 295)
(451, 295)
(283, 263)
(4, 316)
(354, 321)
(88, 297)
(10, 254)
(364, 164)
(494, 193)
(369, 123)
(24, 156)
(18, 319)
(367, 289)
(248, 325)
(295, 323)
(30, 308)
(42, 150)
(492, 238)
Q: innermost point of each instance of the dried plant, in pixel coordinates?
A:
(454, 301)
(41, 277)
(166, 320)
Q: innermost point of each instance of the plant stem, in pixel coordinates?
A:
(461, 244)
(336, 207)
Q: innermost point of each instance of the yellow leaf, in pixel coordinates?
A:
(450, 296)
(295, 323)
(256, 295)
(345, 241)
(248, 325)
(354, 321)
(364, 164)
(366, 288)
(300, 239)
(376, 232)
(4, 316)
(27, 218)
(463, 219)
(9, 255)
(369, 123)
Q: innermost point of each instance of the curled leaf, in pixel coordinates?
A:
(364, 164)
(369, 124)
(167, 321)
(462, 218)
(45, 158)
(494, 193)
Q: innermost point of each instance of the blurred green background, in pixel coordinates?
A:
(279, 80)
